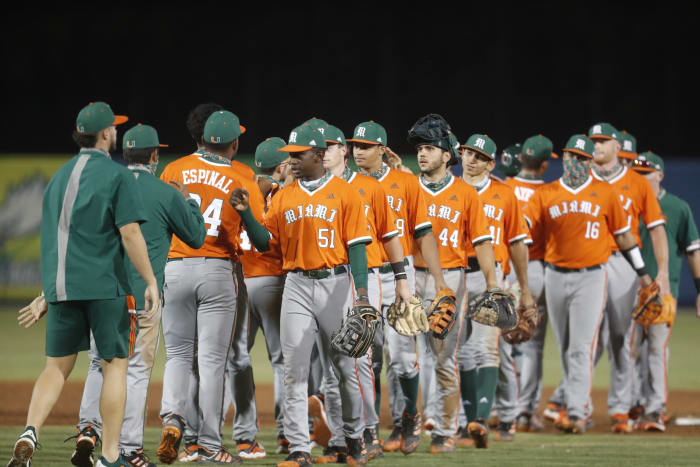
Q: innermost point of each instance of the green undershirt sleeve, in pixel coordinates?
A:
(258, 235)
(422, 231)
(358, 264)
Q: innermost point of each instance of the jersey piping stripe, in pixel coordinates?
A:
(394, 233)
(483, 238)
(424, 225)
(527, 219)
(651, 225)
(64, 219)
(575, 191)
(612, 180)
(360, 240)
(621, 231)
(693, 247)
(213, 163)
(485, 187)
(435, 193)
(517, 238)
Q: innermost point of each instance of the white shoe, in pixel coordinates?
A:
(23, 450)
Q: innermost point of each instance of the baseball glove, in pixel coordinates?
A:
(668, 311)
(408, 319)
(528, 319)
(649, 305)
(442, 313)
(356, 335)
(493, 308)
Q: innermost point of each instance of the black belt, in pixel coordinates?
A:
(205, 257)
(565, 270)
(473, 264)
(321, 273)
(386, 267)
(422, 269)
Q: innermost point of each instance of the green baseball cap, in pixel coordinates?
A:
(222, 127)
(604, 131)
(481, 144)
(318, 124)
(334, 135)
(141, 136)
(648, 162)
(580, 144)
(303, 138)
(267, 154)
(97, 116)
(455, 149)
(510, 164)
(369, 132)
(538, 147)
(629, 146)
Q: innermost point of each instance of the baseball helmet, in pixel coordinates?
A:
(510, 164)
(433, 129)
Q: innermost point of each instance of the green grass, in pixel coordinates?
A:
(527, 449)
(26, 346)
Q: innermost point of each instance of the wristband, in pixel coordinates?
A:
(362, 298)
(398, 267)
(697, 284)
(634, 257)
(400, 276)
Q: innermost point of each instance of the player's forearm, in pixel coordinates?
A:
(487, 263)
(135, 247)
(190, 228)
(258, 235)
(519, 258)
(394, 250)
(694, 265)
(357, 257)
(660, 244)
(431, 257)
(628, 246)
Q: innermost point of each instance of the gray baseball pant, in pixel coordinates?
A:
(311, 308)
(655, 378)
(508, 387)
(200, 298)
(138, 377)
(575, 302)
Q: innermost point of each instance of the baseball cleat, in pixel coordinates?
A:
(463, 438)
(357, 454)
(250, 449)
(220, 457)
(374, 449)
(479, 432)
(296, 459)
(493, 422)
(411, 428)
(23, 449)
(553, 410)
(505, 431)
(85, 447)
(190, 453)
(138, 459)
(393, 442)
(282, 445)
(317, 411)
(620, 423)
(529, 423)
(653, 422)
(332, 455)
(441, 444)
(169, 445)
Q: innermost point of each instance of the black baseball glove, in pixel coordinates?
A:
(356, 335)
(494, 308)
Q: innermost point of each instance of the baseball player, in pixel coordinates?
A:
(90, 215)
(683, 240)
(385, 245)
(458, 218)
(404, 196)
(200, 295)
(479, 356)
(534, 159)
(577, 213)
(168, 212)
(637, 199)
(321, 229)
(628, 150)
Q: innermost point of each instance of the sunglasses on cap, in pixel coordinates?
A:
(640, 164)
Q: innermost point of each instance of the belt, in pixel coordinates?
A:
(616, 253)
(473, 264)
(565, 270)
(205, 257)
(422, 269)
(386, 267)
(321, 273)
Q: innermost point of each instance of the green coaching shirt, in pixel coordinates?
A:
(682, 237)
(168, 213)
(85, 204)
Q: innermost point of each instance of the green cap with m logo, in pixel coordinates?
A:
(481, 144)
(580, 144)
(141, 136)
(604, 131)
(369, 132)
(222, 127)
(96, 116)
(303, 138)
(267, 154)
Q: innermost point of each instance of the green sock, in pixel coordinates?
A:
(467, 386)
(487, 380)
(377, 390)
(409, 387)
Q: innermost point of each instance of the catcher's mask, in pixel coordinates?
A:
(433, 129)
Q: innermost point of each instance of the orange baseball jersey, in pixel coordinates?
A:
(505, 219)
(316, 228)
(404, 196)
(243, 169)
(380, 218)
(524, 189)
(210, 181)
(458, 219)
(637, 198)
(255, 263)
(577, 223)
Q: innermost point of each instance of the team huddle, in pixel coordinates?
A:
(447, 283)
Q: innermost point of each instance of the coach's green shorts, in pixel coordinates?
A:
(68, 326)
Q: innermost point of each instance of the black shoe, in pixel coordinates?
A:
(138, 459)
(374, 449)
(220, 457)
(296, 459)
(332, 455)
(84, 447)
(393, 442)
(357, 454)
(411, 428)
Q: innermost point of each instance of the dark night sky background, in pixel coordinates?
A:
(507, 70)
